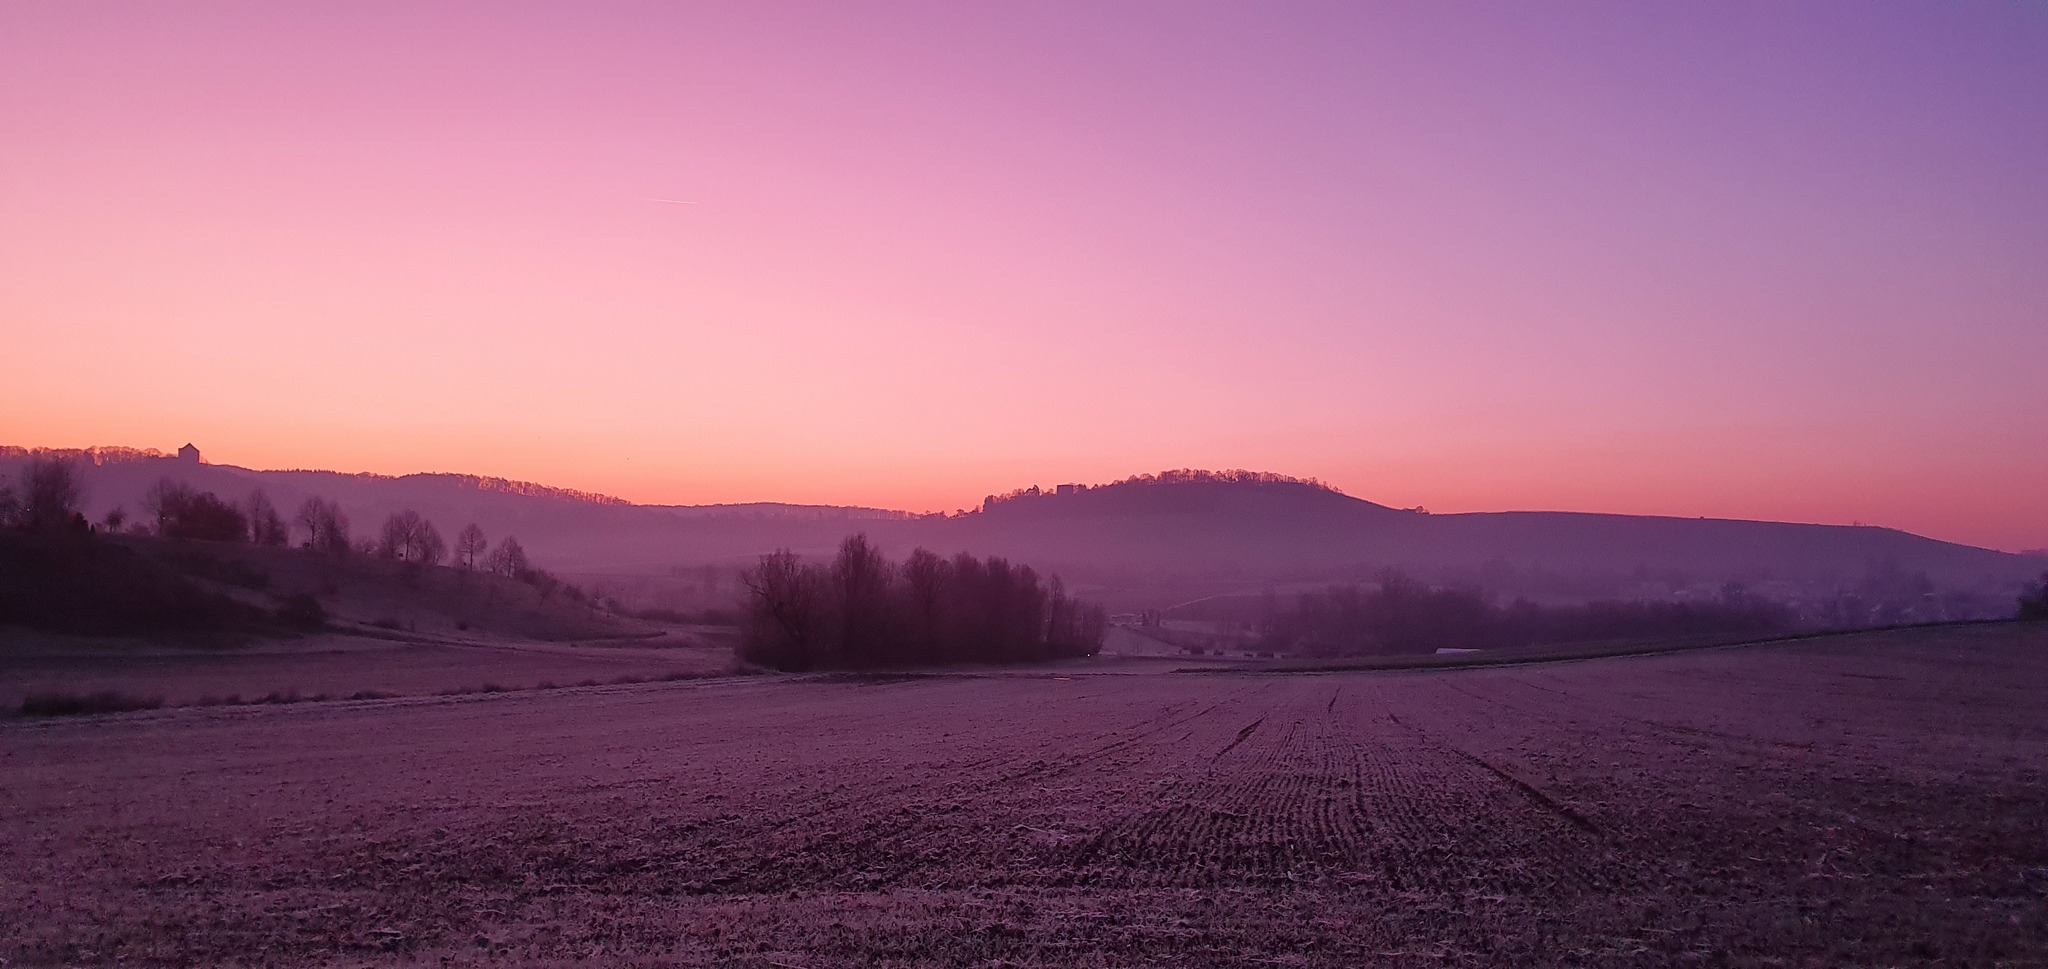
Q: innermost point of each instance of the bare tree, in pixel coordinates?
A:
(117, 517)
(162, 501)
(266, 526)
(50, 494)
(786, 610)
(408, 537)
(860, 580)
(508, 559)
(428, 548)
(326, 526)
(469, 547)
(924, 573)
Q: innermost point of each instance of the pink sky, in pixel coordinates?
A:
(1777, 260)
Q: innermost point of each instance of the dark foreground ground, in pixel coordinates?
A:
(1872, 800)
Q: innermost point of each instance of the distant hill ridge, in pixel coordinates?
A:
(1249, 525)
(103, 456)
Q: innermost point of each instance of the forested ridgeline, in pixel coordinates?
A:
(862, 611)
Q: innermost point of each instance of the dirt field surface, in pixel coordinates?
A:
(1873, 800)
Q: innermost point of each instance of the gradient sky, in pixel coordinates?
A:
(1772, 260)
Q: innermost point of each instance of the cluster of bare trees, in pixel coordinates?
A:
(176, 510)
(45, 500)
(412, 539)
(863, 611)
(325, 526)
(1407, 616)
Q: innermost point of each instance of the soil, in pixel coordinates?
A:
(1861, 800)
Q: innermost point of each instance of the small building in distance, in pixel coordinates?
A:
(189, 454)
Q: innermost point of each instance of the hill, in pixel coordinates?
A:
(214, 591)
(1183, 532)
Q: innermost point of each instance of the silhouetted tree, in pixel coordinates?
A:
(860, 586)
(508, 559)
(785, 615)
(407, 537)
(50, 493)
(162, 500)
(115, 518)
(199, 515)
(266, 526)
(924, 579)
(325, 525)
(469, 547)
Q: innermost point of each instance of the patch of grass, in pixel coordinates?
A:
(371, 695)
(82, 704)
(387, 622)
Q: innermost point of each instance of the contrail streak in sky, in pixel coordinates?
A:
(672, 201)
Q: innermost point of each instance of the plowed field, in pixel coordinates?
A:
(1867, 800)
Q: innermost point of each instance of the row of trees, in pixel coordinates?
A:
(407, 536)
(862, 611)
(49, 495)
(1405, 616)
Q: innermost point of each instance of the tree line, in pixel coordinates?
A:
(1406, 616)
(49, 494)
(863, 611)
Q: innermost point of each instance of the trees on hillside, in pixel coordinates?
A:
(407, 537)
(266, 526)
(508, 559)
(469, 547)
(863, 611)
(48, 498)
(325, 525)
(181, 512)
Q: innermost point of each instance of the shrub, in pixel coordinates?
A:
(302, 611)
(2034, 604)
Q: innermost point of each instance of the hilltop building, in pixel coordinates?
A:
(189, 454)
